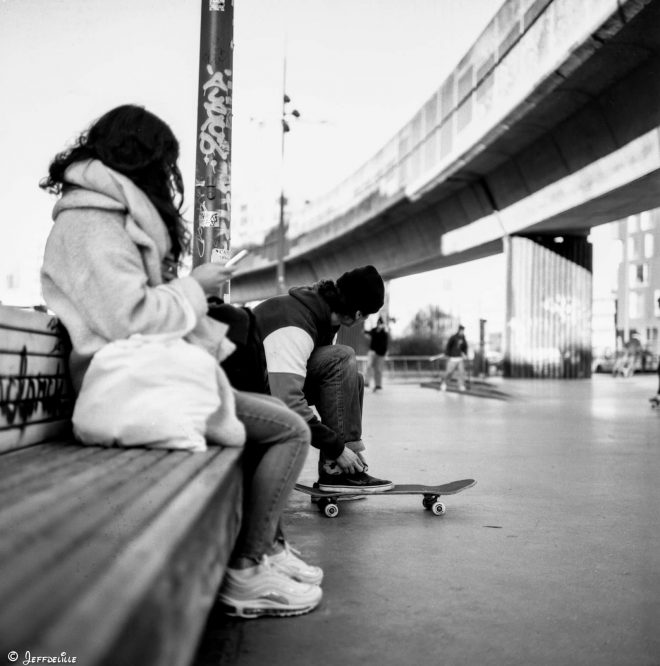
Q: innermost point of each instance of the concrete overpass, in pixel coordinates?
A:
(548, 126)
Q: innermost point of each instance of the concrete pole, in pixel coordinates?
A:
(212, 220)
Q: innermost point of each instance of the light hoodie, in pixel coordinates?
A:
(102, 269)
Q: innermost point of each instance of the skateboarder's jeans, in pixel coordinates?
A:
(275, 450)
(336, 388)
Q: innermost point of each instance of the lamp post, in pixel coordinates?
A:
(281, 237)
(211, 234)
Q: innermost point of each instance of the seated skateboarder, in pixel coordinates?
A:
(305, 368)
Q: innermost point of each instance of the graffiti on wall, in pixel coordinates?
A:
(23, 395)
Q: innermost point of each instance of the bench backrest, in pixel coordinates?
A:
(36, 399)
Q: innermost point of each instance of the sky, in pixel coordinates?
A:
(357, 70)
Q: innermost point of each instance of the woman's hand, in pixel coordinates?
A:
(211, 277)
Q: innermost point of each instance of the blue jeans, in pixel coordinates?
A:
(336, 388)
(275, 450)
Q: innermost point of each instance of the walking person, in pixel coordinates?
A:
(110, 272)
(456, 352)
(378, 342)
(655, 400)
(305, 369)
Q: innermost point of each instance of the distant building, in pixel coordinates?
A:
(638, 284)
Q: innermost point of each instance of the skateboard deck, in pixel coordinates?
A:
(327, 500)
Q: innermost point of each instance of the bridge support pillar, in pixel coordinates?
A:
(548, 307)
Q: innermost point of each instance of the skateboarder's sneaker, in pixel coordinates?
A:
(288, 562)
(265, 590)
(360, 482)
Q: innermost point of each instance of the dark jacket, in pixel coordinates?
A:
(456, 345)
(291, 327)
(379, 340)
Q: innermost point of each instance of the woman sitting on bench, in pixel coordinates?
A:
(110, 272)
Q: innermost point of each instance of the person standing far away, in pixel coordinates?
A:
(306, 369)
(656, 398)
(456, 352)
(378, 341)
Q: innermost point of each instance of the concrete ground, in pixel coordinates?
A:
(552, 558)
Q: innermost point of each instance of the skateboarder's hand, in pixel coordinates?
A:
(349, 462)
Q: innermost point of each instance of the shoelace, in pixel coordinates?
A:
(291, 550)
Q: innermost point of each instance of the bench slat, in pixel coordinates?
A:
(88, 534)
(27, 320)
(45, 366)
(195, 536)
(26, 476)
(46, 585)
(14, 341)
(68, 486)
(63, 515)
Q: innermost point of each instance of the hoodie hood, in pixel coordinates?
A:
(319, 310)
(310, 298)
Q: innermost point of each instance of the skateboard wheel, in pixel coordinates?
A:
(438, 509)
(331, 510)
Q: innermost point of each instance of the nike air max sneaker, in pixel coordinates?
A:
(288, 562)
(265, 590)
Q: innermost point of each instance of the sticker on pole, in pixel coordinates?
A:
(210, 218)
(219, 255)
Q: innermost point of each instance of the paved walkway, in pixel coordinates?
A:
(553, 558)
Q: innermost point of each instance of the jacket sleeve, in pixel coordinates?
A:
(287, 351)
(92, 265)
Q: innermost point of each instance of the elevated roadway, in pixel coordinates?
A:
(548, 125)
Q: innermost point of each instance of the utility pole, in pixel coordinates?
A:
(281, 236)
(212, 223)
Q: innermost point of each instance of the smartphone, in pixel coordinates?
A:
(239, 256)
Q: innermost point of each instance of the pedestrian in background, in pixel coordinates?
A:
(456, 352)
(655, 400)
(378, 341)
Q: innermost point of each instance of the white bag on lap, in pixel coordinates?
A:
(156, 391)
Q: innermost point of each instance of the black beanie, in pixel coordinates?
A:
(362, 289)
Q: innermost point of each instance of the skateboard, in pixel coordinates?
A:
(327, 501)
(655, 401)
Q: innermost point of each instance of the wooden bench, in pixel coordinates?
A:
(112, 556)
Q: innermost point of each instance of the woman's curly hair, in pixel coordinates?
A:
(330, 293)
(142, 147)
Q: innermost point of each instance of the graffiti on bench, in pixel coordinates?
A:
(22, 395)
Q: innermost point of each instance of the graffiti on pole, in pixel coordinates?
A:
(213, 133)
(215, 149)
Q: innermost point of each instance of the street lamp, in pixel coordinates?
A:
(281, 239)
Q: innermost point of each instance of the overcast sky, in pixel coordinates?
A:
(356, 69)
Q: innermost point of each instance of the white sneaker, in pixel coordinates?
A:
(288, 562)
(443, 386)
(264, 590)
